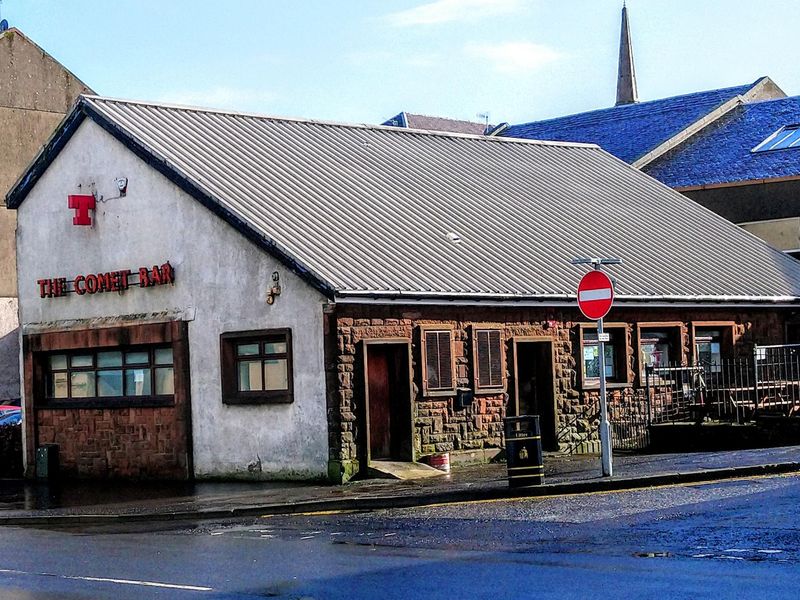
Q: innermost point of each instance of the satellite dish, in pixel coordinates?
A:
(3, 25)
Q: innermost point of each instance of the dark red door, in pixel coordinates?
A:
(379, 403)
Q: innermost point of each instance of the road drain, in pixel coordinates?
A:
(652, 554)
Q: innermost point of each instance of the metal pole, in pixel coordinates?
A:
(648, 371)
(755, 378)
(605, 428)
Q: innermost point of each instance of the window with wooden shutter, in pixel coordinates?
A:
(489, 363)
(438, 360)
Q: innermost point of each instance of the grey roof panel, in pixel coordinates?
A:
(367, 209)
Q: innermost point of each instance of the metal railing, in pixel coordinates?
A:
(777, 379)
(731, 389)
(727, 389)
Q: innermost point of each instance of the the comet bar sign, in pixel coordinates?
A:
(111, 281)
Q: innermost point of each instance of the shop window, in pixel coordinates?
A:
(708, 348)
(109, 375)
(615, 356)
(659, 347)
(257, 367)
(793, 333)
(489, 363)
(437, 360)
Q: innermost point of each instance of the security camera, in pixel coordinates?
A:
(122, 184)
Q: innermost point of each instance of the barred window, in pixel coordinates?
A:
(489, 365)
(438, 360)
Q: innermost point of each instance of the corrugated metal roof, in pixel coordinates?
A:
(368, 209)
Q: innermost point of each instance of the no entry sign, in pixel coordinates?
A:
(595, 295)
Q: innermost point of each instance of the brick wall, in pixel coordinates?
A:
(139, 443)
(147, 442)
(439, 425)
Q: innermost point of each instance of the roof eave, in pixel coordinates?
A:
(400, 296)
(67, 129)
(188, 186)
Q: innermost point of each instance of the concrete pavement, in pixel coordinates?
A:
(41, 504)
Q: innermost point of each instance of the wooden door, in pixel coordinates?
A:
(380, 443)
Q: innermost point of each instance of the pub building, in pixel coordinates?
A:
(242, 296)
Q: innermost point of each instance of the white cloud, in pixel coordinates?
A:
(513, 57)
(447, 11)
(221, 97)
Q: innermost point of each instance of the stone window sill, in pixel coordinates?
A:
(610, 385)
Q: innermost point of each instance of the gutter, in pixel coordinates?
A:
(742, 183)
(557, 300)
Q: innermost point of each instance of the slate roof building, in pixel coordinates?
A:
(641, 132)
(710, 145)
(35, 93)
(425, 122)
(745, 167)
(218, 294)
(705, 144)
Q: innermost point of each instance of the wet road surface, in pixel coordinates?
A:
(724, 540)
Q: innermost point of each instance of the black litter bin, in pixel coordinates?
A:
(524, 451)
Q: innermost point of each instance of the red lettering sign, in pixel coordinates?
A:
(52, 288)
(110, 281)
(82, 204)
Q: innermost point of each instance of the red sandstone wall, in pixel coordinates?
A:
(440, 426)
(138, 443)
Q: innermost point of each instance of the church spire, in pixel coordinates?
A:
(626, 75)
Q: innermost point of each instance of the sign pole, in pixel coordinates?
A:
(605, 428)
(595, 297)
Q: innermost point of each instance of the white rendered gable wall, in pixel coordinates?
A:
(221, 279)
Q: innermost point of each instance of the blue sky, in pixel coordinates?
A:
(364, 61)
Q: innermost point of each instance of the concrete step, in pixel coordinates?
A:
(390, 469)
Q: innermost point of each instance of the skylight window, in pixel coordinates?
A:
(785, 137)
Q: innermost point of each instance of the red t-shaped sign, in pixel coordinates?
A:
(81, 204)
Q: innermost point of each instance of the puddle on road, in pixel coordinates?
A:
(755, 554)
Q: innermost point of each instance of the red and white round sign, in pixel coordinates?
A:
(595, 295)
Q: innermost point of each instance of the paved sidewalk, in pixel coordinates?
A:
(32, 504)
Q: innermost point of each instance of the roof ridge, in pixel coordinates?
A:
(767, 100)
(444, 118)
(631, 106)
(326, 123)
(346, 218)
